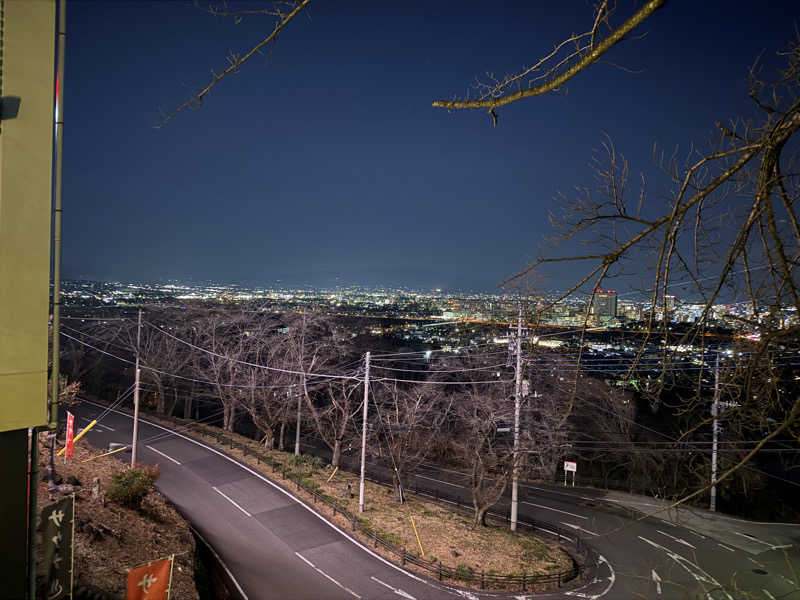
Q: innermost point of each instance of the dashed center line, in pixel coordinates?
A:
(679, 540)
(229, 499)
(324, 574)
(725, 547)
(397, 591)
(563, 512)
(159, 452)
(439, 481)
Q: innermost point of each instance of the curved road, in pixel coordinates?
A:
(275, 547)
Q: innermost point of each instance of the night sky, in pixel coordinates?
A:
(324, 164)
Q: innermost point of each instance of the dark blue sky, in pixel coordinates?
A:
(326, 163)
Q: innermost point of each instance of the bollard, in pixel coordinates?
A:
(440, 571)
(483, 580)
(375, 539)
(524, 582)
(403, 557)
(353, 522)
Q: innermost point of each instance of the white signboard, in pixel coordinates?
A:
(570, 466)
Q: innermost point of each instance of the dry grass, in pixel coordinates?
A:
(446, 536)
(129, 538)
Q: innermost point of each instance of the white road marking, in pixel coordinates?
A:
(657, 579)
(164, 455)
(755, 562)
(767, 594)
(279, 489)
(781, 547)
(220, 561)
(554, 534)
(555, 510)
(541, 489)
(229, 499)
(701, 576)
(611, 579)
(702, 537)
(324, 574)
(726, 548)
(579, 528)
(439, 481)
(636, 502)
(679, 540)
(397, 591)
(753, 539)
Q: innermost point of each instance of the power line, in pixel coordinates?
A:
(250, 364)
(176, 376)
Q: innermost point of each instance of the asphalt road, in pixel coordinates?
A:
(275, 547)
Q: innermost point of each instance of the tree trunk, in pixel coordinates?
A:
(187, 406)
(480, 516)
(337, 453)
(269, 438)
(282, 437)
(229, 417)
(160, 405)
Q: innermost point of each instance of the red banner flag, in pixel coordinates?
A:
(70, 433)
(150, 582)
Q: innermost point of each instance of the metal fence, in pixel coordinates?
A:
(585, 559)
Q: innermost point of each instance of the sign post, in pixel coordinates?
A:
(570, 466)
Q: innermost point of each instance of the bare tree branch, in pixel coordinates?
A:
(235, 61)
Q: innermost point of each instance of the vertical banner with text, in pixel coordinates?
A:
(151, 581)
(57, 526)
(70, 434)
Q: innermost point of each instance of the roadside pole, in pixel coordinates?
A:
(299, 418)
(136, 395)
(715, 435)
(517, 384)
(364, 435)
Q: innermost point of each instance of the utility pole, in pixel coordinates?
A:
(364, 435)
(55, 374)
(715, 435)
(517, 390)
(299, 416)
(136, 395)
(300, 395)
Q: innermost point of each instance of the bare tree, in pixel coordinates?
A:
(282, 12)
(409, 422)
(481, 414)
(549, 73)
(728, 235)
(333, 411)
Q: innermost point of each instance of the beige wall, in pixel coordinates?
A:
(28, 39)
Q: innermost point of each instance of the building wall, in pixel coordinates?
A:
(28, 44)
